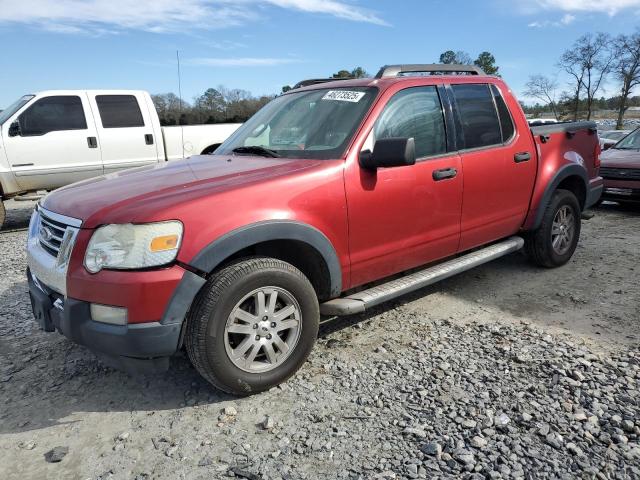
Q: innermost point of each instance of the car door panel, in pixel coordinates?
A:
(125, 130)
(404, 217)
(499, 165)
(53, 149)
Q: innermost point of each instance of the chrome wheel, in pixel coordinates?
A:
(563, 230)
(262, 329)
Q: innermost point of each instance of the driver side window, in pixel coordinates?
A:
(52, 114)
(414, 113)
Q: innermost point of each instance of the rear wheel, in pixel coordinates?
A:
(253, 325)
(554, 242)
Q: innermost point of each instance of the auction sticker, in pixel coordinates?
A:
(343, 96)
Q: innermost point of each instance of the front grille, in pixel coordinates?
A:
(51, 234)
(620, 173)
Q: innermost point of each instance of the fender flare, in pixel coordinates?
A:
(216, 252)
(565, 172)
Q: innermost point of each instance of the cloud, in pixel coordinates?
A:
(239, 62)
(112, 16)
(331, 7)
(610, 7)
(567, 19)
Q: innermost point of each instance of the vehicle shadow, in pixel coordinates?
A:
(45, 379)
(18, 215)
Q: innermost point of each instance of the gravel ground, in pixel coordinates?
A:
(507, 371)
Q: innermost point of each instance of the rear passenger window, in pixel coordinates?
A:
(480, 125)
(506, 123)
(53, 114)
(414, 112)
(119, 111)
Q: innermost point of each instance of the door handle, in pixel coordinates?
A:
(444, 173)
(522, 157)
(92, 142)
(148, 139)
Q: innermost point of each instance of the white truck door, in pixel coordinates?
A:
(125, 130)
(52, 142)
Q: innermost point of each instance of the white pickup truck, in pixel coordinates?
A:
(54, 138)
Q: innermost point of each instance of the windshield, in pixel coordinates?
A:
(13, 108)
(316, 124)
(630, 142)
(615, 135)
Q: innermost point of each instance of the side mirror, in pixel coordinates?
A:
(389, 152)
(14, 129)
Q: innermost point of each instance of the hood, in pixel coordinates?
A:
(145, 192)
(620, 158)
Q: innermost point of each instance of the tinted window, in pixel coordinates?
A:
(119, 111)
(53, 114)
(480, 125)
(414, 112)
(505, 117)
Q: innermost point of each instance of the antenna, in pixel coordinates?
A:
(180, 101)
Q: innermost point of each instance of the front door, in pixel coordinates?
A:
(55, 144)
(403, 217)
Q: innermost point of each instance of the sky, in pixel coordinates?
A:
(261, 45)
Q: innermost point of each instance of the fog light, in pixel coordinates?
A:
(107, 314)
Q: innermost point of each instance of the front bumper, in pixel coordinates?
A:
(124, 346)
(621, 190)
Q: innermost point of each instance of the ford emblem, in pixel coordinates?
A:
(46, 234)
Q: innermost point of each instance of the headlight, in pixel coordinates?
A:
(131, 246)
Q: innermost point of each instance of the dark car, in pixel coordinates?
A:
(621, 170)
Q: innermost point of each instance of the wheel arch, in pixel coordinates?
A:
(572, 177)
(300, 244)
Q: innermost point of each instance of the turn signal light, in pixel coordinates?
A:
(164, 243)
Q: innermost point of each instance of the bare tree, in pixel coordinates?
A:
(588, 62)
(544, 89)
(626, 68)
(459, 57)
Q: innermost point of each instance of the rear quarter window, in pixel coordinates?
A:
(119, 111)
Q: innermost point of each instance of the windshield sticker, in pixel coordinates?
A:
(343, 96)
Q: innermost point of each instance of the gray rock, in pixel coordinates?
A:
(478, 442)
(56, 454)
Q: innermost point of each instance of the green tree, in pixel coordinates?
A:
(342, 74)
(286, 88)
(487, 63)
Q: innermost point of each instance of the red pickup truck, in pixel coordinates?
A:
(331, 199)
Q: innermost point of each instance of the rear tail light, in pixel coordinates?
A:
(596, 155)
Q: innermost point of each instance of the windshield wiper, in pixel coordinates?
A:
(257, 150)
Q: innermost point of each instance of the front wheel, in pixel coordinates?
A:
(253, 325)
(554, 242)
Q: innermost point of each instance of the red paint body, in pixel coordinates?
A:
(379, 222)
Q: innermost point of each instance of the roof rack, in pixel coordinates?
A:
(395, 70)
(315, 81)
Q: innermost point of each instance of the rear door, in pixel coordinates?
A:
(125, 130)
(56, 144)
(499, 164)
(403, 217)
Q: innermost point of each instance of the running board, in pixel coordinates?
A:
(361, 301)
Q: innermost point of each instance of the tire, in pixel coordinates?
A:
(3, 213)
(540, 243)
(227, 301)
